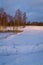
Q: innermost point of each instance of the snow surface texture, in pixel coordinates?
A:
(25, 48)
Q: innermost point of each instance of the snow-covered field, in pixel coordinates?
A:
(25, 48)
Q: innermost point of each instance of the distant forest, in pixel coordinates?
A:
(19, 19)
(35, 23)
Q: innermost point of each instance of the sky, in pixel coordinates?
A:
(33, 8)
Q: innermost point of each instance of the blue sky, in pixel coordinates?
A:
(34, 8)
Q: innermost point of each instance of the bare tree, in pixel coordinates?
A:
(4, 19)
(1, 15)
(18, 18)
(24, 18)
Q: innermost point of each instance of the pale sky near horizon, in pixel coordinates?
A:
(33, 8)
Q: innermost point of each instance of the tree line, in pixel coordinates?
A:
(35, 23)
(19, 18)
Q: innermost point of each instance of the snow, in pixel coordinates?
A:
(39, 28)
(24, 48)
